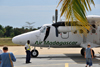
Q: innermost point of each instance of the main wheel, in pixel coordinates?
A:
(93, 53)
(34, 53)
(83, 50)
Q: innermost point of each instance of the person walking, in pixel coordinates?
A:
(1, 53)
(88, 56)
(28, 53)
(6, 58)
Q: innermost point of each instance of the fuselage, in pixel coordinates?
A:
(42, 38)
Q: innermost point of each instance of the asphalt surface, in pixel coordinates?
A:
(53, 57)
(57, 60)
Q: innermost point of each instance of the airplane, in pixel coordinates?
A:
(58, 35)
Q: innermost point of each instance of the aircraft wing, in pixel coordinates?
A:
(84, 45)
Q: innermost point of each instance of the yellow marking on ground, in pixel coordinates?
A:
(66, 65)
(74, 63)
(15, 51)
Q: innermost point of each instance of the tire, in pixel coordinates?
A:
(34, 53)
(83, 49)
(93, 53)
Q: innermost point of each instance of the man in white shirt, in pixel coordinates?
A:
(28, 53)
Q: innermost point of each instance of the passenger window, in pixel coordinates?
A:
(87, 31)
(81, 31)
(93, 31)
(75, 32)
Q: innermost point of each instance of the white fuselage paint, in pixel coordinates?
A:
(68, 37)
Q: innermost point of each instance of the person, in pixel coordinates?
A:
(88, 56)
(6, 58)
(28, 53)
(1, 53)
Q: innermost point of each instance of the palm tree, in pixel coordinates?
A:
(76, 10)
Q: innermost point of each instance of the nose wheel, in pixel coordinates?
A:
(34, 53)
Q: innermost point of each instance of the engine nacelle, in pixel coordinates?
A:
(69, 28)
(66, 28)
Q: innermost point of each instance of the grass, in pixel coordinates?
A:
(7, 42)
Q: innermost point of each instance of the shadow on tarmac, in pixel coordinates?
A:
(79, 59)
(75, 57)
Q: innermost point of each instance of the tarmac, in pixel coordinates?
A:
(54, 57)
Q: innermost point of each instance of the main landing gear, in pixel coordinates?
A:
(83, 50)
(34, 53)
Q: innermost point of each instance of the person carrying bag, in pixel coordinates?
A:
(6, 58)
(10, 60)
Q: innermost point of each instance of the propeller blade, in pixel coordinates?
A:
(56, 15)
(56, 31)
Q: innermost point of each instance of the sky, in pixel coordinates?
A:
(17, 12)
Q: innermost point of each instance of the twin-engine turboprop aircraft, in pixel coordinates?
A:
(57, 35)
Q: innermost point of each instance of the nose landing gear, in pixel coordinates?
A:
(34, 53)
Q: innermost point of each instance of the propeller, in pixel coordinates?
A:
(56, 17)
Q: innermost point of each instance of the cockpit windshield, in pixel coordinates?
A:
(42, 29)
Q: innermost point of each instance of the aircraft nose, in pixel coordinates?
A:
(15, 40)
(22, 39)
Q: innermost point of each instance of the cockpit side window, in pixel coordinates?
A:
(43, 29)
(75, 32)
(81, 31)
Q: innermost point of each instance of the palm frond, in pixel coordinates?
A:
(76, 9)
